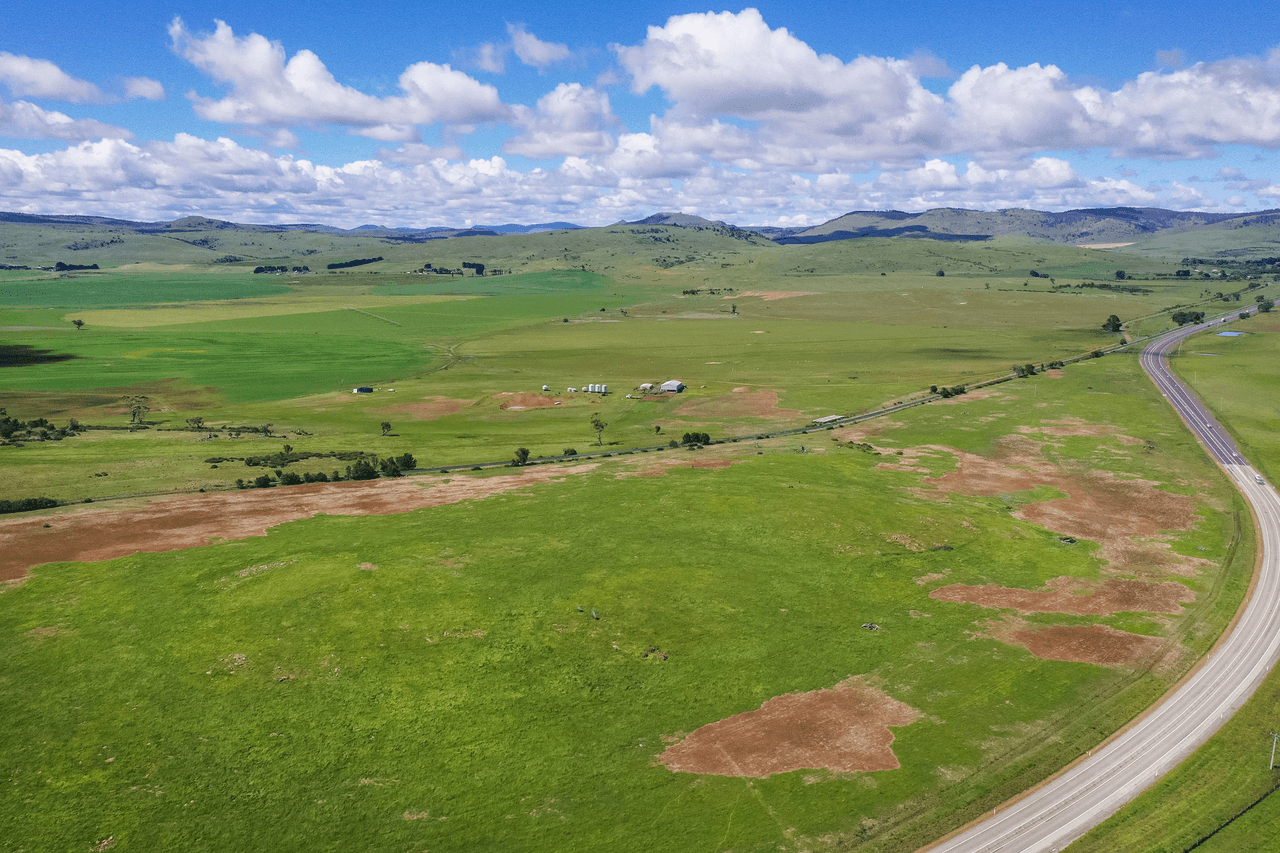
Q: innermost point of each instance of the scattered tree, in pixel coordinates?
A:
(362, 470)
(79, 324)
(1120, 276)
(291, 479)
(569, 451)
(941, 273)
(138, 408)
(522, 456)
(386, 427)
(598, 425)
(1266, 306)
(1113, 324)
(196, 422)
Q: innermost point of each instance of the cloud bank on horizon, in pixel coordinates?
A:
(720, 114)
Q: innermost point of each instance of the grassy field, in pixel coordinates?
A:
(270, 693)
(437, 688)
(1236, 376)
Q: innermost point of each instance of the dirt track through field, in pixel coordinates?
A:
(169, 524)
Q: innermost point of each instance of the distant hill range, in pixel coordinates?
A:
(1088, 226)
(201, 223)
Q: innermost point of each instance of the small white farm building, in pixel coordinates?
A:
(673, 386)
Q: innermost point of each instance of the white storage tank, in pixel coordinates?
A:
(604, 389)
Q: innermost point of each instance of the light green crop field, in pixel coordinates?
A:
(270, 693)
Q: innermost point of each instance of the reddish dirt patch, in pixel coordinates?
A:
(743, 404)
(1122, 515)
(865, 430)
(526, 400)
(1075, 426)
(845, 729)
(429, 408)
(773, 295)
(1062, 596)
(660, 469)
(189, 521)
(1097, 644)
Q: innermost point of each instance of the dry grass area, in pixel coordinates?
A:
(739, 404)
(427, 409)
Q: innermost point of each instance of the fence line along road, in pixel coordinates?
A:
(1069, 805)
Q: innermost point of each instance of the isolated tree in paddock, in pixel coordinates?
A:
(79, 324)
(196, 422)
(386, 427)
(598, 425)
(1120, 276)
(137, 407)
(1113, 324)
(522, 456)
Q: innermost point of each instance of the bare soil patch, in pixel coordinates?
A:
(1125, 516)
(1063, 595)
(844, 729)
(428, 409)
(1076, 427)
(527, 400)
(1097, 644)
(743, 404)
(192, 520)
(773, 295)
(865, 430)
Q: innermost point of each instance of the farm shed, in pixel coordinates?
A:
(674, 386)
(646, 386)
(827, 419)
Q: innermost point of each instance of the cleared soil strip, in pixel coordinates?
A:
(844, 729)
(189, 521)
(1063, 596)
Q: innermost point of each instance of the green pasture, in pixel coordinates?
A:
(455, 697)
(1237, 378)
(101, 289)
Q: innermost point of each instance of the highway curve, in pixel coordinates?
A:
(1061, 810)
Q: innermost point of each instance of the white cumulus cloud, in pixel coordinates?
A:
(570, 120)
(533, 51)
(24, 120)
(267, 90)
(40, 78)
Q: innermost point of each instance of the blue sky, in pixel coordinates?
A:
(775, 113)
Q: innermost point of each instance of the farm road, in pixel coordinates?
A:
(1055, 814)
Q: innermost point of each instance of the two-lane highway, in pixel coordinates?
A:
(1055, 814)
